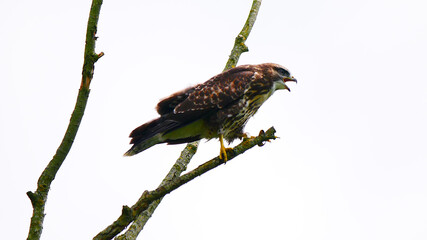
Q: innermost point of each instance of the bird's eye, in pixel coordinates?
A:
(283, 72)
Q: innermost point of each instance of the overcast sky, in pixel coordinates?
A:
(351, 160)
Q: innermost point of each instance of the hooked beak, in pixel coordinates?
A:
(289, 79)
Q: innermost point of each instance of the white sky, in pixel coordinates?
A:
(351, 160)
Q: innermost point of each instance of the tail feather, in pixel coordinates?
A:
(150, 129)
(150, 134)
(137, 148)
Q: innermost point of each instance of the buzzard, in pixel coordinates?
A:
(217, 108)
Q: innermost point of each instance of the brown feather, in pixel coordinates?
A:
(168, 104)
(217, 92)
(223, 104)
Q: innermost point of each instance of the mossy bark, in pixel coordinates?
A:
(39, 197)
(129, 214)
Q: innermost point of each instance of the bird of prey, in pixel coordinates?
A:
(217, 108)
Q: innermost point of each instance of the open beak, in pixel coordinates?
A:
(289, 79)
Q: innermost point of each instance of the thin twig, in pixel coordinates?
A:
(39, 197)
(129, 214)
(239, 44)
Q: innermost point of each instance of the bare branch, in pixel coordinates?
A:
(179, 167)
(129, 214)
(239, 44)
(39, 197)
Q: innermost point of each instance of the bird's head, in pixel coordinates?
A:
(280, 75)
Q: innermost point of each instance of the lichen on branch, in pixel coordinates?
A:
(130, 213)
(39, 197)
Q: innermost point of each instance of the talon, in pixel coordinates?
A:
(222, 151)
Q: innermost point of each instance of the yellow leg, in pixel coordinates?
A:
(222, 151)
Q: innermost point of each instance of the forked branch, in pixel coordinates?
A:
(129, 214)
